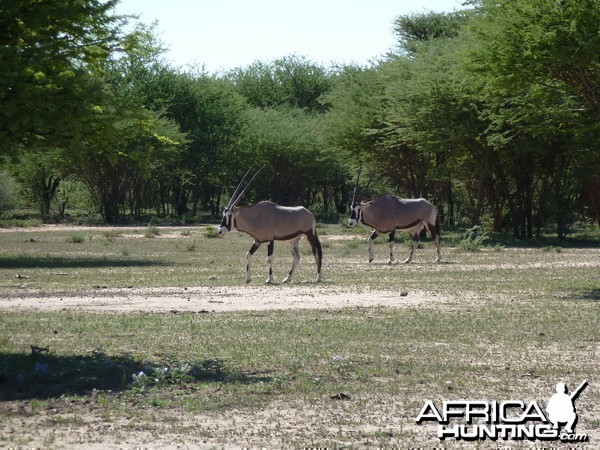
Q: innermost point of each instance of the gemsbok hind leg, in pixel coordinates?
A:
(270, 261)
(317, 251)
(251, 252)
(416, 236)
(435, 234)
(370, 240)
(296, 256)
(391, 246)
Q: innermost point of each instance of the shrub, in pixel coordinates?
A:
(211, 232)
(8, 192)
(473, 239)
(151, 232)
(76, 239)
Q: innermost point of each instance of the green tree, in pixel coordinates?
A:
(300, 170)
(128, 177)
(8, 192)
(138, 146)
(48, 53)
(291, 81)
(538, 69)
(40, 172)
(414, 30)
(212, 114)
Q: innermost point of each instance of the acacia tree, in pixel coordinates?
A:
(40, 172)
(292, 81)
(455, 113)
(123, 178)
(288, 98)
(300, 170)
(396, 116)
(212, 114)
(540, 69)
(136, 139)
(48, 51)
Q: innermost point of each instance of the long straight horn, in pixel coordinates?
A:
(247, 186)
(237, 189)
(364, 191)
(355, 187)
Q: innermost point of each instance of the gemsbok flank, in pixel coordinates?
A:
(389, 213)
(268, 222)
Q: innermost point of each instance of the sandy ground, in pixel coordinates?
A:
(217, 299)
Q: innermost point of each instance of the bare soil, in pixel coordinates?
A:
(219, 299)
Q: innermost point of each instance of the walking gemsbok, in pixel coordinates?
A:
(268, 222)
(389, 213)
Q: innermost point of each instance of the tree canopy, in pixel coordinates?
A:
(490, 112)
(49, 52)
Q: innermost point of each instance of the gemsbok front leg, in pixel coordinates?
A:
(370, 240)
(391, 246)
(251, 252)
(296, 260)
(416, 236)
(270, 261)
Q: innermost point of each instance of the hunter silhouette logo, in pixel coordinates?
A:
(561, 408)
(510, 419)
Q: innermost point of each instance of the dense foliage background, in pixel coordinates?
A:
(492, 113)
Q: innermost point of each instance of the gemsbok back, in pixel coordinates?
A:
(389, 213)
(268, 222)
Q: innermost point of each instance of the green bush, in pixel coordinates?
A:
(76, 239)
(211, 232)
(8, 192)
(473, 239)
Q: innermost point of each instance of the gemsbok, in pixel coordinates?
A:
(268, 222)
(389, 213)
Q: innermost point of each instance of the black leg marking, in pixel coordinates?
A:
(253, 248)
(270, 259)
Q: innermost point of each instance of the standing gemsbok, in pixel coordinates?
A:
(268, 222)
(389, 213)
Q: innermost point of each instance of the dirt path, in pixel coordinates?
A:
(216, 299)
